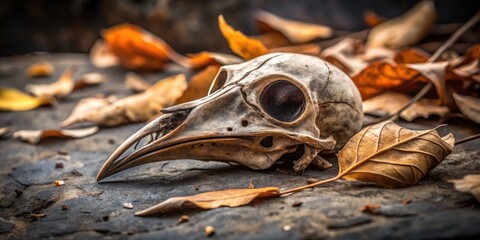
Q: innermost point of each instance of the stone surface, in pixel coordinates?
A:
(95, 210)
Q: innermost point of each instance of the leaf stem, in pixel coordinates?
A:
(455, 36)
(467, 139)
(309, 185)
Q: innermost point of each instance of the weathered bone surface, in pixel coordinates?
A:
(256, 112)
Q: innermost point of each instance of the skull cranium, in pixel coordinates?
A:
(256, 112)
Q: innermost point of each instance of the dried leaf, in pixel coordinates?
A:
(135, 108)
(35, 136)
(469, 106)
(392, 156)
(59, 89)
(209, 200)
(89, 79)
(309, 49)
(40, 69)
(469, 184)
(240, 44)
(273, 39)
(391, 103)
(294, 31)
(135, 82)
(411, 55)
(4, 131)
(199, 85)
(139, 49)
(405, 30)
(14, 100)
(202, 59)
(372, 19)
(101, 56)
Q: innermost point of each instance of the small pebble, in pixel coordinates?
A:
(183, 218)
(407, 201)
(369, 208)
(128, 205)
(297, 204)
(38, 215)
(18, 192)
(58, 183)
(59, 165)
(311, 180)
(209, 231)
(287, 228)
(250, 185)
(64, 207)
(111, 141)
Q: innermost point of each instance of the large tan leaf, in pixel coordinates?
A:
(243, 46)
(14, 100)
(209, 200)
(59, 89)
(392, 156)
(391, 103)
(405, 30)
(134, 108)
(35, 136)
(469, 106)
(199, 85)
(469, 184)
(294, 31)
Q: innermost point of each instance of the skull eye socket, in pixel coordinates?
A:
(283, 100)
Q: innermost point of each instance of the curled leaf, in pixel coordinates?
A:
(14, 100)
(89, 79)
(243, 46)
(202, 59)
(469, 184)
(405, 30)
(135, 108)
(199, 85)
(101, 56)
(35, 136)
(392, 156)
(209, 200)
(135, 82)
(294, 31)
(59, 89)
(391, 103)
(40, 69)
(469, 106)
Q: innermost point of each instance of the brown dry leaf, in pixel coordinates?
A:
(405, 30)
(310, 49)
(469, 106)
(35, 136)
(89, 79)
(134, 108)
(4, 131)
(295, 31)
(135, 82)
(391, 103)
(14, 100)
(243, 46)
(40, 69)
(273, 39)
(210, 200)
(392, 156)
(372, 19)
(101, 56)
(202, 59)
(139, 49)
(59, 89)
(411, 55)
(199, 85)
(469, 184)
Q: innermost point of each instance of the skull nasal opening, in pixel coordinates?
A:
(219, 80)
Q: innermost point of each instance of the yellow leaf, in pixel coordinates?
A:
(405, 30)
(13, 100)
(35, 136)
(240, 44)
(294, 31)
(134, 108)
(392, 156)
(469, 184)
(209, 200)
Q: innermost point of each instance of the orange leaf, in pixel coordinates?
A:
(411, 55)
(210, 200)
(240, 44)
(199, 85)
(202, 59)
(372, 19)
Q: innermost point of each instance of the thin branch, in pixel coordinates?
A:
(467, 139)
(435, 56)
(309, 185)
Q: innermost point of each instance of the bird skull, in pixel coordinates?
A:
(255, 113)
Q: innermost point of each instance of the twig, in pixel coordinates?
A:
(434, 57)
(309, 185)
(467, 139)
